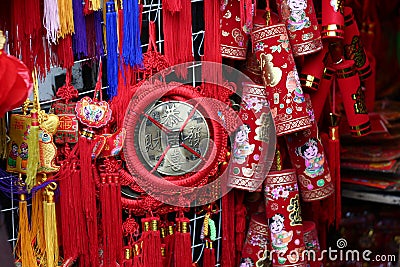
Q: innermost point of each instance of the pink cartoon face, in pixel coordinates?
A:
(276, 226)
(297, 5)
(310, 152)
(242, 136)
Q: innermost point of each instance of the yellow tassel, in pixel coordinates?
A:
(66, 15)
(33, 138)
(24, 249)
(33, 150)
(38, 224)
(96, 5)
(50, 227)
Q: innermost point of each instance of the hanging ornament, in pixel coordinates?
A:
(332, 26)
(319, 98)
(283, 212)
(311, 243)
(15, 78)
(353, 98)
(308, 157)
(253, 141)
(353, 46)
(257, 248)
(111, 212)
(301, 22)
(67, 132)
(313, 70)
(234, 31)
(280, 77)
(112, 49)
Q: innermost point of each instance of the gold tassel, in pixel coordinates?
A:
(50, 226)
(33, 138)
(37, 227)
(24, 250)
(96, 5)
(66, 15)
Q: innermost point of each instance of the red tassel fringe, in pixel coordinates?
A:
(178, 36)
(151, 242)
(228, 255)
(182, 246)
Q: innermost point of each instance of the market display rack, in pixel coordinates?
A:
(152, 10)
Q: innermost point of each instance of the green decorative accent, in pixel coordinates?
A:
(320, 182)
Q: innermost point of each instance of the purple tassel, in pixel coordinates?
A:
(112, 50)
(98, 20)
(79, 40)
(131, 46)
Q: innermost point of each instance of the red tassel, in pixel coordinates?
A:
(240, 227)
(88, 188)
(334, 165)
(64, 52)
(182, 247)
(209, 255)
(172, 5)
(212, 47)
(228, 255)
(178, 47)
(138, 255)
(151, 249)
(169, 244)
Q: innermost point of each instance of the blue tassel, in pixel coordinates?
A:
(112, 50)
(131, 50)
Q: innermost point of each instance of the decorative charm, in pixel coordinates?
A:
(252, 141)
(332, 26)
(301, 21)
(309, 159)
(284, 218)
(93, 113)
(235, 33)
(353, 47)
(257, 246)
(281, 80)
(353, 98)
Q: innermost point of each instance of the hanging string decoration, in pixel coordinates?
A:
(131, 49)
(112, 50)
(51, 20)
(79, 40)
(66, 15)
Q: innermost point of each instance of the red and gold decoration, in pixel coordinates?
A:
(256, 249)
(308, 157)
(301, 22)
(353, 98)
(250, 144)
(234, 31)
(112, 181)
(281, 79)
(283, 211)
(353, 46)
(332, 26)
